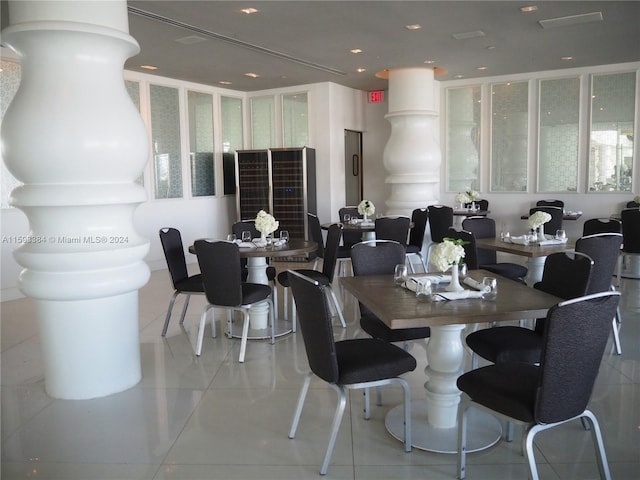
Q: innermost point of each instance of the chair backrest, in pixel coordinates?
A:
(604, 250)
(220, 267)
(419, 219)
(482, 227)
(315, 233)
(601, 225)
(314, 317)
(350, 238)
(575, 337)
(555, 223)
(173, 249)
(481, 203)
(376, 257)
(550, 203)
(243, 225)
(331, 251)
(393, 228)
(440, 219)
(469, 245)
(633, 204)
(631, 230)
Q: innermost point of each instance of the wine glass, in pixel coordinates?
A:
(284, 236)
(246, 236)
(561, 234)
(490, 288)
(424, 290)
(400, 274)
(231, 237)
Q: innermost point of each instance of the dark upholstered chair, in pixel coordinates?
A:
(440, 219)
(379, 257)
(550, 203)
(349, 239)
(485, 227)
(481, 203)
(184, 284)
(633, 204)
(220, 266)
(553, 225)
(347, 364)
(601, 225)
(604, 250)
(563, 276)
(554, 393)
(393, 228)
(325, 277)
(419, 218)
(630, 239)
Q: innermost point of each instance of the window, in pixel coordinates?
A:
(232, 139)
(133, 89)
(295, 128)
(200, 108)
(463, 138)
(263, 122)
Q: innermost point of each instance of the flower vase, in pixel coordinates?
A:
(454, 286)
(365, 218)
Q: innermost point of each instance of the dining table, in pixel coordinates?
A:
(256, 255)
(535, 254)
(366, 228)
(434, 416)
(567, 215)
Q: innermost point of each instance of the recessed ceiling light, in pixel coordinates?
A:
(191, 39)
(571, 20)
(355, 50)
(491, 47)
(566, 58)
(459, 76)
(224, 82)
(249, 10)
(429, 62)
(360, 70)
(149, 67)
(528, 8)
(482, 68)
(413, 26)
(252, 75)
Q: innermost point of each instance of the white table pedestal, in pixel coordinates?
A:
(259, 315)
(535, 267)
(434, 420)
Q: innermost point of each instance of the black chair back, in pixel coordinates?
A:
(419, 219)
(315, 233)
(575, 337)
(440, 219)
(482, 204)
(550, 203)
(633, 204)
(604, 250)
(376, 257)
(244, 225)
(601, 225)
(349, 239)
(220, 266)
(314, 317)
(555, 223)
(469, 245)
(393, 228)
(331, 251)
(173, 249)
(482, 227)
(631, 230)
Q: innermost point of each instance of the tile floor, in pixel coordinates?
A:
(213, 418)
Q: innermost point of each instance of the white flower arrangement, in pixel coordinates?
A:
(366, 207)
(265, 223)
(538, 219)
(466, 197)
(473, 195)
(636, 199)
(448, 252)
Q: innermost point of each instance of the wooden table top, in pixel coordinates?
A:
(565, 216)
(292, 248)
(353, 227)
(530, 251)
(399, 308)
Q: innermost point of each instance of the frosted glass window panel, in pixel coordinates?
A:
(463, 138)
(559, 117)
(509, 136)
(165, 134)
(9, 83)
(612, 123)
(133, 89)
(263, 122)
(295, 123)
(200, 108)
(232, 139)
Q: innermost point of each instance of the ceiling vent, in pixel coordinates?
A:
(465, 35)
(571, 20)
(190, 40)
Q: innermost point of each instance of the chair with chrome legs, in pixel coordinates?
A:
(419, 218)
(553, 393)
(347, 364)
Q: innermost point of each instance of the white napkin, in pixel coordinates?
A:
(475, 284)
(435, 278)
(553, 241)
(444, 295)
(518, 240)
(246, 245)
(279, 243)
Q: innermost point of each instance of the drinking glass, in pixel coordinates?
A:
(490, 288)
(462, 269)
(400, 274)
(561, 235)
(231, 237)
(284, 236)
(269, 239)
(246, 236)
(424, 290)
(346, 218)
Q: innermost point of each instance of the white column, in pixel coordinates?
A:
(412, 154)
(75, 139)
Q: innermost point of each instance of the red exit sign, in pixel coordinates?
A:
(376, 96)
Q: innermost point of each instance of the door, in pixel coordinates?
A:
(353, 167)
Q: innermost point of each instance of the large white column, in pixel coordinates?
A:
(412, 154)
(75, 139)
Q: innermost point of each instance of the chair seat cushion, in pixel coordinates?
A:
(254, 292)
(506, 269)
(370, 359)
(506, 344)
(191, 284)
(344, 251)
(283, 277)
(508, 388)
(375, 327)
(413, 249)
